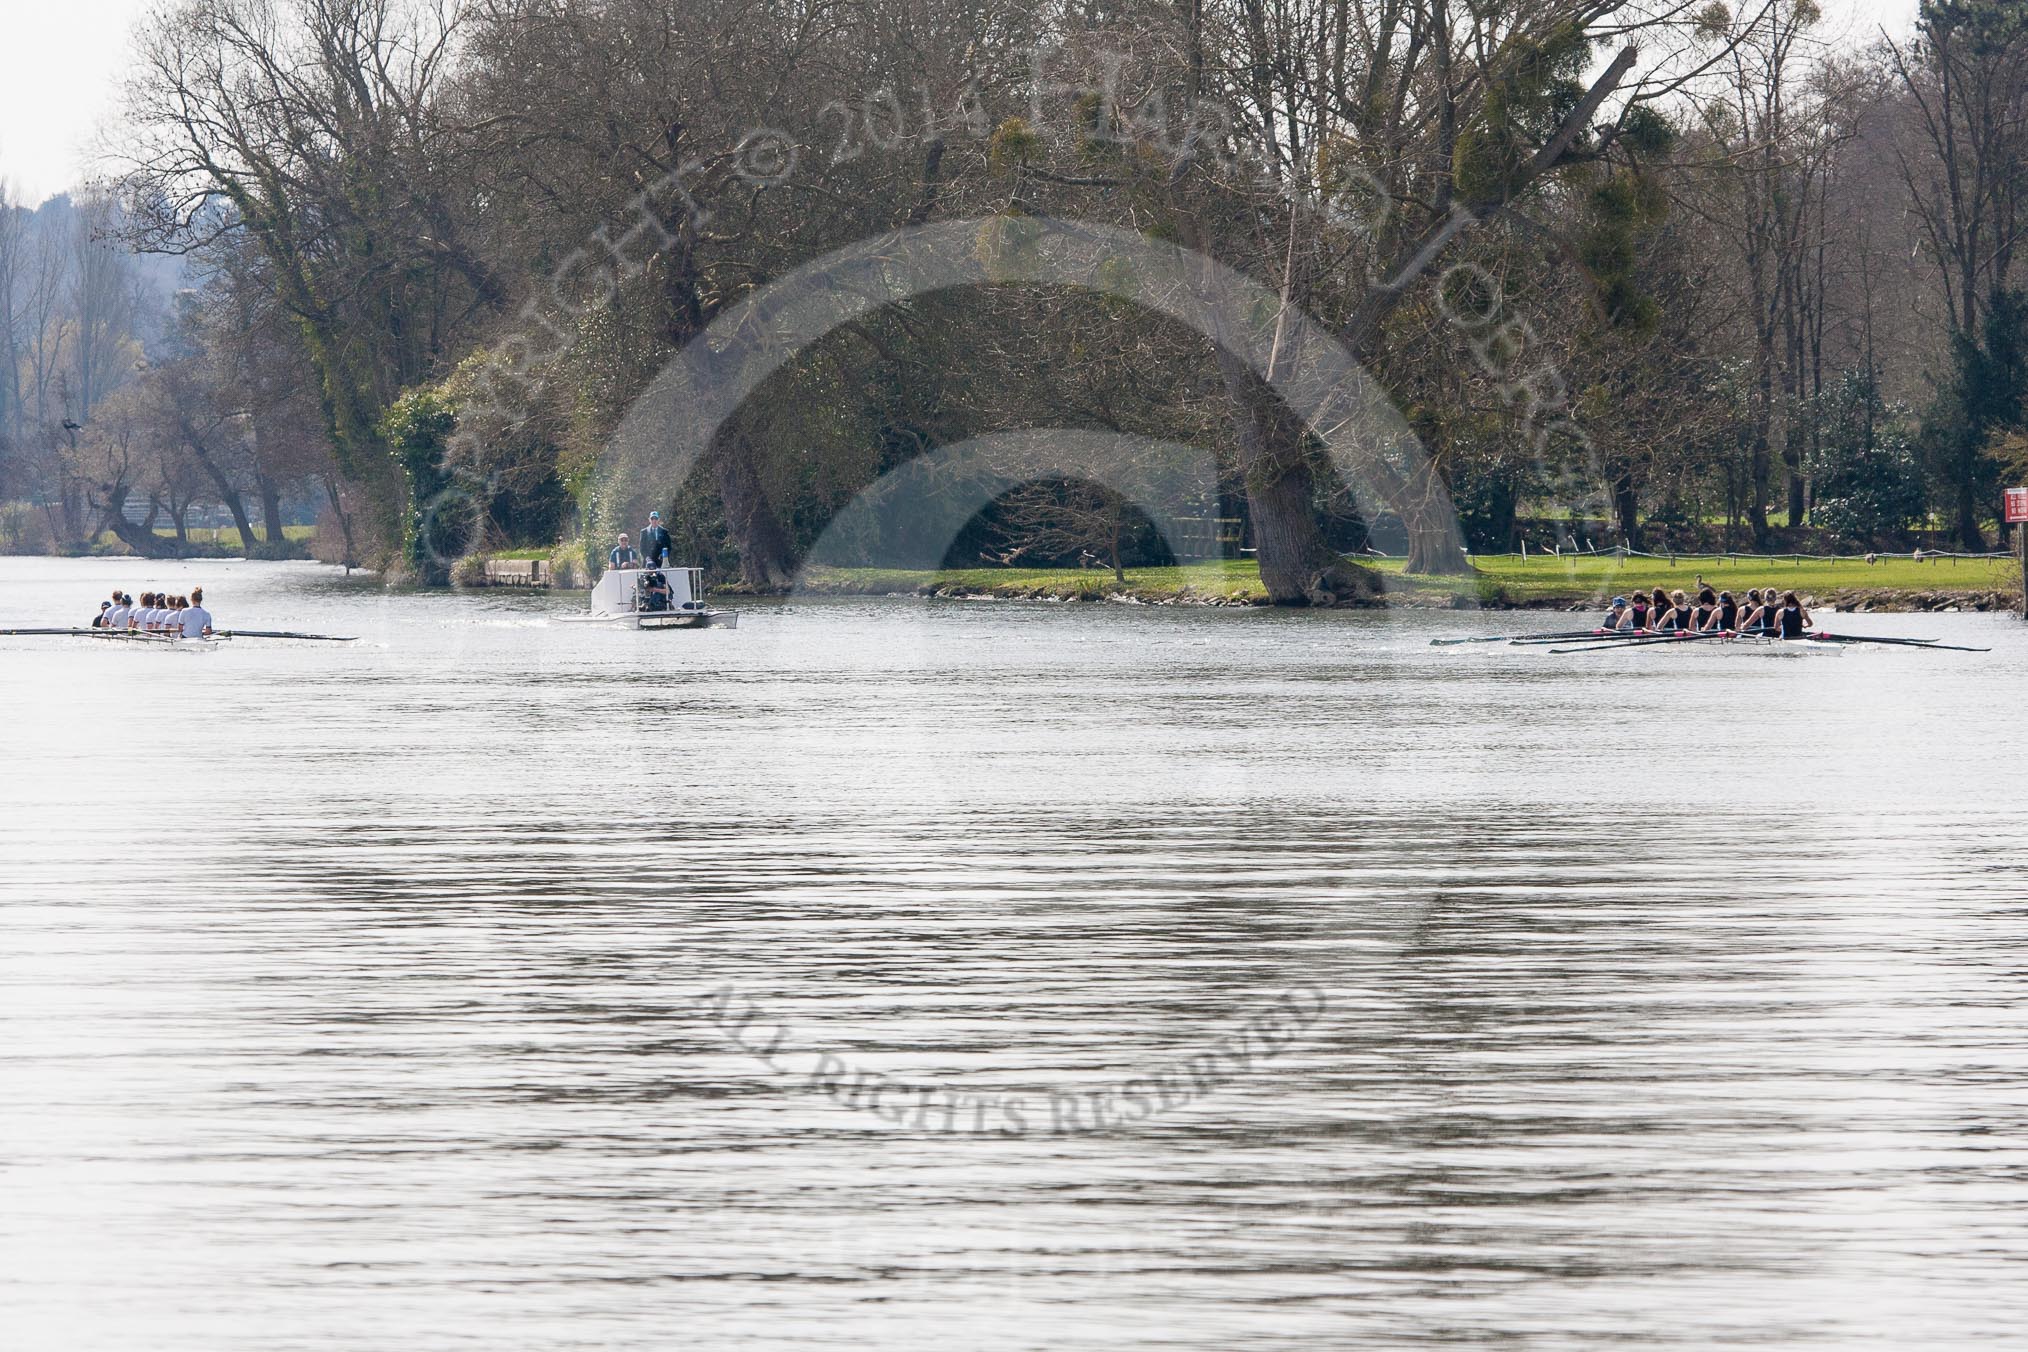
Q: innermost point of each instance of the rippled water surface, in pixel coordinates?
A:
(925, 975)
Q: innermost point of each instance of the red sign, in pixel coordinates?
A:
(2017, 504)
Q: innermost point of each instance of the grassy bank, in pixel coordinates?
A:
(1538, 581)
(202, 542)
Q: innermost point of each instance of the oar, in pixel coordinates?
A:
(1517, 638)
(1681, 636)
(273, 633)
(26, 632)
(1928, 643)
(1614, 635)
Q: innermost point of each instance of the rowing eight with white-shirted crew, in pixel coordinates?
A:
(164, 621)
(156, 613)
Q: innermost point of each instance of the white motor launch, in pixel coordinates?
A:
(654, 598)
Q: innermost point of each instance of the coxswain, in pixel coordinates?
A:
(99, 620)
(1791, 619)
(655, 544)
(1617, 615)
(622, 555)
(196, 619)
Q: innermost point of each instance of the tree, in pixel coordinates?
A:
(314, 129)
(1966, 169)
(1869, 484)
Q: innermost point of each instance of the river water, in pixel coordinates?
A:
(903, 974)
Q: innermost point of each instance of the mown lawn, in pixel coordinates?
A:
(1541, 579)
(226, 537)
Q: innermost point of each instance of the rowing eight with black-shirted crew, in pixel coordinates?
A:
(1766, 612)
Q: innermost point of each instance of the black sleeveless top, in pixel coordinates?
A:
(1790, 621)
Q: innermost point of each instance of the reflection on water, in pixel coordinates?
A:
(378, 996)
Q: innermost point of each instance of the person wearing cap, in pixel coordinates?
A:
(655, 543)
(1617, 616)
(622, 555)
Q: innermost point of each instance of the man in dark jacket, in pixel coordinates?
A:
(655, 544)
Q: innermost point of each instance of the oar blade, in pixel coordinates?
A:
(279, 633)
(1648, 642)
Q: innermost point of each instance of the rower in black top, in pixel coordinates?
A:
(1728, 611)
(1706, 607)
(1678, 617)
(1791, 621)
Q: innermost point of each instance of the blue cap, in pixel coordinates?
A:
(1619, 600)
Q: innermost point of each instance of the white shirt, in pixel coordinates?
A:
(196, 619)
(153, 616)
(116, 618)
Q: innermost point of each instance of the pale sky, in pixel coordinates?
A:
(60, 62)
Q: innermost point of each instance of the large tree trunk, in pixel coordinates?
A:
(1297, 566)
(1970, 538)
(1626, 510)
(230, 496)
(273, 535)
(1756, 489)
(1433, 544)
(1798, 508)
(331, 490)
(766, 562)
(143, 541)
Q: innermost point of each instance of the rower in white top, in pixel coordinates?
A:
(196, 619)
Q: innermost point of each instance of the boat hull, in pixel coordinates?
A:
(685, 619)
(623, 599)
(161, 643)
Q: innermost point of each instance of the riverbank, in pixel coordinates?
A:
(1542, 582)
